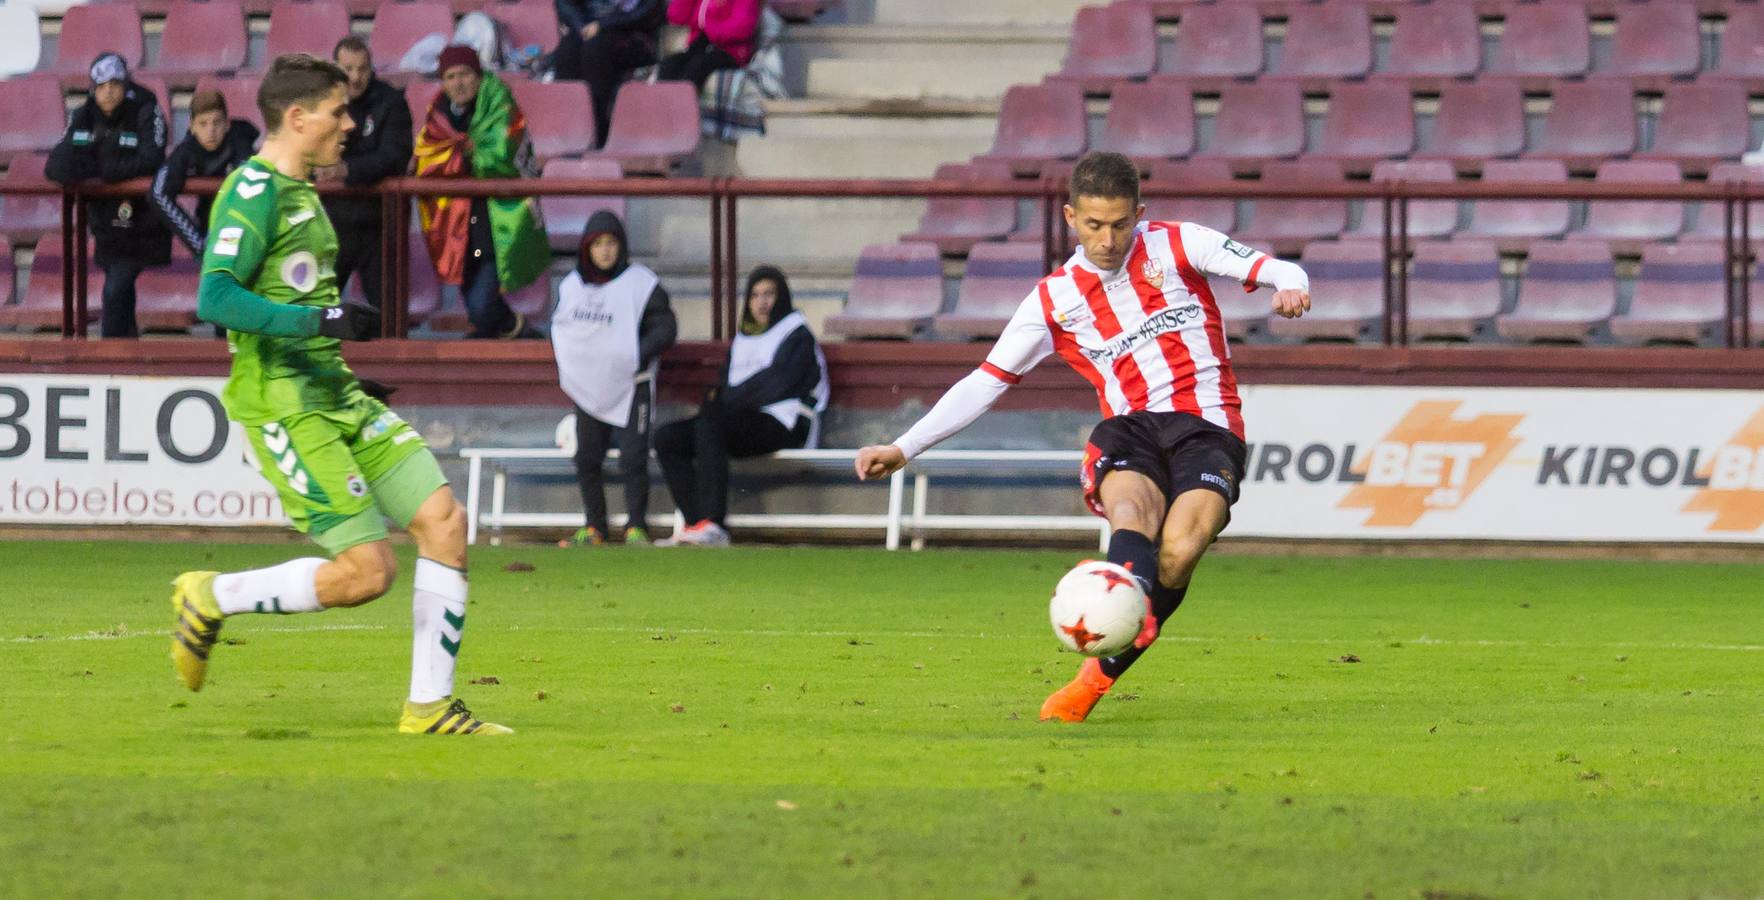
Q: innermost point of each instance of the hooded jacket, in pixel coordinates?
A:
(795, 372)
(659, 328)
(190, 160)
(609, 327)
(128, 143)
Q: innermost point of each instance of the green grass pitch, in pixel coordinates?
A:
(772, 722)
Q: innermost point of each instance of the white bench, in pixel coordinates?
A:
(891, 522)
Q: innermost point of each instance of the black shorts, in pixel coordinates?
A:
(1178, 451)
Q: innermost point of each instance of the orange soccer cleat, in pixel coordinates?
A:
(1073, 702)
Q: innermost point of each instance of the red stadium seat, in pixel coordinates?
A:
(166, 295)
(399, 24)
(1435, 43)
(565, 217)
(1110, 44)
(26, 217)
(91, 29)
(1037, 123)
(997, 279)
(526, 24)
(895, 290)
(558, 122)
(1366, 123)
(418, 97)
(1287, 225)
(1568, 289)
(1680, 294)
(1627, 224)
(956, 224)
(1215, 45)
(39, 309)
(1588, 123)
(1351, 274)
(1701, 124)
(424, 296)
(1711, 221)
(1544, 42)
(1478, 122)
(201, 37)
(1427, 218)
(306, 26)
(1513, 224)
(1149, 121)
(32, 108)
(1219, 215)
(1454, 286)
(1337, 44)
(1655, 43)
(240, 92)
(654, 127)
(1258, 122)
(156, 86)
(1742, 48)
(1246, 313)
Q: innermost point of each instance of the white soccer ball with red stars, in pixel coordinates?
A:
(1098, 609)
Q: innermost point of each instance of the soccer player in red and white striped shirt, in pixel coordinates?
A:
(1132, 313)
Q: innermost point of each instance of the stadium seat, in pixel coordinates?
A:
(956, 224)
(1513, 224)
(1454, 286)
(527, 24)
(895, 290)
(558, 122)
(201, 37)
(240, 92)
(1337, 44)
(1701, 124)
(424, 296)
(1588, 123)
(1217, 214)
(1742, 48)
(21, 39)
(1711, 223)
(305, 26)
(566, 216)
(1110, 44)
(1568, 289)
(1257, 122)
(33, 109)
(1285, 226)
(1544, 42)
(1037, 123)
(399, 24)
(156, 86)
(1215, 45)
(1433, 44)
(39, 308)
(1351, 274)
(1627, 224)
(1478, 122)
(26, 217)
(1680, 294)
(1655, 43)
(166, 295)
(1366, 123)
(1149, 121)
(418, 95)
(1427, 218)
(89, 30)
(1246, 313)
(654, 127)
(997, 279)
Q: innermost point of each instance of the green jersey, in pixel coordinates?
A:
(270, 233)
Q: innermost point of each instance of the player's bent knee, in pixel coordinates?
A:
(369, 571)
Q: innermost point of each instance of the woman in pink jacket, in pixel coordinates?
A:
(721, 37)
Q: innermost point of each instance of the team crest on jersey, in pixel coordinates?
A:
(357, 487)
(1154, 272)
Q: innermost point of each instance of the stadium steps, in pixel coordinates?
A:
(919, 61)
(866, 138)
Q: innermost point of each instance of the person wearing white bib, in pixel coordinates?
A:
(770, 398)
(611, 325)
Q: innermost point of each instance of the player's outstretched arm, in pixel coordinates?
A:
(222, 300)
(1215, 254)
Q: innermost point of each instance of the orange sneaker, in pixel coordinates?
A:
(1073, 702)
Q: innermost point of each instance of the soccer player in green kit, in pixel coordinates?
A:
(341, 461)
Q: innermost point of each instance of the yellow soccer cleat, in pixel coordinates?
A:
(445, 717)
(197, 623)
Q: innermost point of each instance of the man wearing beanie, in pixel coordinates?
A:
(118, 134)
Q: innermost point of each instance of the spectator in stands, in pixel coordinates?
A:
(771, 394)
(214, 146)
(720, 36)
(378, 147)
(603, 41)
(611, 325)
(118, 134)
(487, 246)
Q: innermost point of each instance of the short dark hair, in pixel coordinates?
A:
(203, 102)
(295, 79)
(1106, 175)
(352, 43)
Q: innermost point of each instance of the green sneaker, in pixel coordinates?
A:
(637, 535)
(584, 537)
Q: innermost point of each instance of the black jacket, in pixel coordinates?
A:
(379, 147)
(658, 329)
(129, 143)
(189, 160)
(794, 374)
(644, 16)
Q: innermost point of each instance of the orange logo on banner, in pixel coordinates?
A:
(1430, 461)
(1736, 481)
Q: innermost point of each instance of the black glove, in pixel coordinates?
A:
(350, 321)
(376, 390)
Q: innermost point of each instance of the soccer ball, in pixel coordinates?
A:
(1097, 609)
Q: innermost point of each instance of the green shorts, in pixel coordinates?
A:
(341, 473)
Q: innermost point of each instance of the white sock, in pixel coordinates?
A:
(437, 620)
(287, 588)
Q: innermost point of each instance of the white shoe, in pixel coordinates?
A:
(710, 534)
